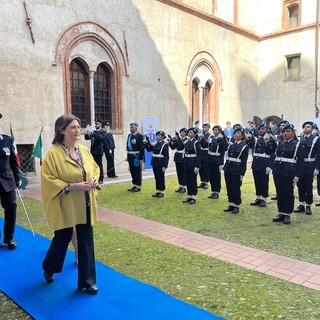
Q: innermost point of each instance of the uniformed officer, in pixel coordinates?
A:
(203, 173)
(235, 168)
(108, 148)
(135, 153)
(287, 169)
(159, 161)
(217, 146)
(263, 149)
(9, 181)
(311, 153)
(97, 137)
(192, 162)
(177, 143)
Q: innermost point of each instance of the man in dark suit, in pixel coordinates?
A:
(108, 148)
(97, 136)
(135, 152)
(9, 181)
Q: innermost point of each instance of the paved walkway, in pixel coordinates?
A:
(285, 268)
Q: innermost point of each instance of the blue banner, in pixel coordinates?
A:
(150, 127)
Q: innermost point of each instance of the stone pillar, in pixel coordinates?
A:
(200, 106)
(91, 83)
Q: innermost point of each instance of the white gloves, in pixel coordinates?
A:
(315, 172)
(268, 170)
(220, 136)
(110, 151)
(164, 169)
(196, 170)
(295, 181)
(89, 130)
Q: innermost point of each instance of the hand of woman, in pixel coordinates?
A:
(84, 185)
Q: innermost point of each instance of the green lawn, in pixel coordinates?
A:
(221, 288)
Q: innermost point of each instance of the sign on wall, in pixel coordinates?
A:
(150, 127)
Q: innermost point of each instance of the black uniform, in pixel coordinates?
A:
(135, 150)
(262, 158)
(311, 154)
(108, 148)
(178, 144)
(204, 175)
(192, 160)
(159, 161)
(287, 165)
(97, 137)
(234, 168)
(9, 181)
(216, 150)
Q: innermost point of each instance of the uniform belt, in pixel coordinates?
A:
(204, 149)
(214, 153)
(133, 152)
(157, 156)
(234, 159)
(261, 155)
(309, 159)
(290, 160)
(179, 151)
(190, 155)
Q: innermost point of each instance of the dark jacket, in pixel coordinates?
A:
(108, 143)
(192, 154)
(137, 147)
(311, 153)
(160, 153)
(216, 149)
(96, 137)
(236, 162)
(178, 144)
(9, 168)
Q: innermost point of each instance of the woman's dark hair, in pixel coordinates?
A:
(61, 123)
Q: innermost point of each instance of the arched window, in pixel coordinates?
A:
(79, 90)
(195, 102)
(102, 94)
(293, 17)
(206, 102)
(291, 14)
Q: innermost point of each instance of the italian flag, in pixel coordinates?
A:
(14, 146)
(38, 150)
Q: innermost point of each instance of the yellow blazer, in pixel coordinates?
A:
(56, 171)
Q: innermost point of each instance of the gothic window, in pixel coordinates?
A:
(291, 14)
(102, 94)
(195, 102)
(206, 102)
(293, 67)
(79, 89)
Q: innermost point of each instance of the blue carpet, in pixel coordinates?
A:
(120, 297)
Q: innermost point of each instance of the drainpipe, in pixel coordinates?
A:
(316, 58)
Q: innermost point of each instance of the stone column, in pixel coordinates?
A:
(200, 106)
(91, 83)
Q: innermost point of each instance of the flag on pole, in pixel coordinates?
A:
(38, 149)
(14, 146)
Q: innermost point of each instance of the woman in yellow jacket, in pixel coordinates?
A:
(69, 178)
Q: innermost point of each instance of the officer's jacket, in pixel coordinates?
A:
(108, 143)
(192, 154)
(9, 168)
(96, 137)
(236, 162)
(262, 153)
(137, 147)
(216, 149)
(178, 144)
(160, 153)
(204, 145)
(311, 153)
(289, 160)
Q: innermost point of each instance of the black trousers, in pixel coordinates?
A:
(233, 184)
(203, 172)
(261, 183)
(191, 182)
(181, 173)
(54, 259)
(159, 177)
(110, 164)
(8, 203)
(214, 177)
(284, 188)
(305, 189)
(136, 174)
(98, 159)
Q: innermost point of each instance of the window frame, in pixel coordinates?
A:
(289, 58)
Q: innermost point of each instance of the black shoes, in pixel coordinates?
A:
(181, 190)
(282, 218)
(308, 211)
(214, 195)
(134, 189)
(229, 209)
(203, 185)
(11, 244)
(286, 220)
(262, 204)
(48, 276)
(317, 204)
(187, 200)
(158, 195)
(235, 210)
(113, 176)
(255, 202)
(299, 209)
(93, 290)
(192, 201)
